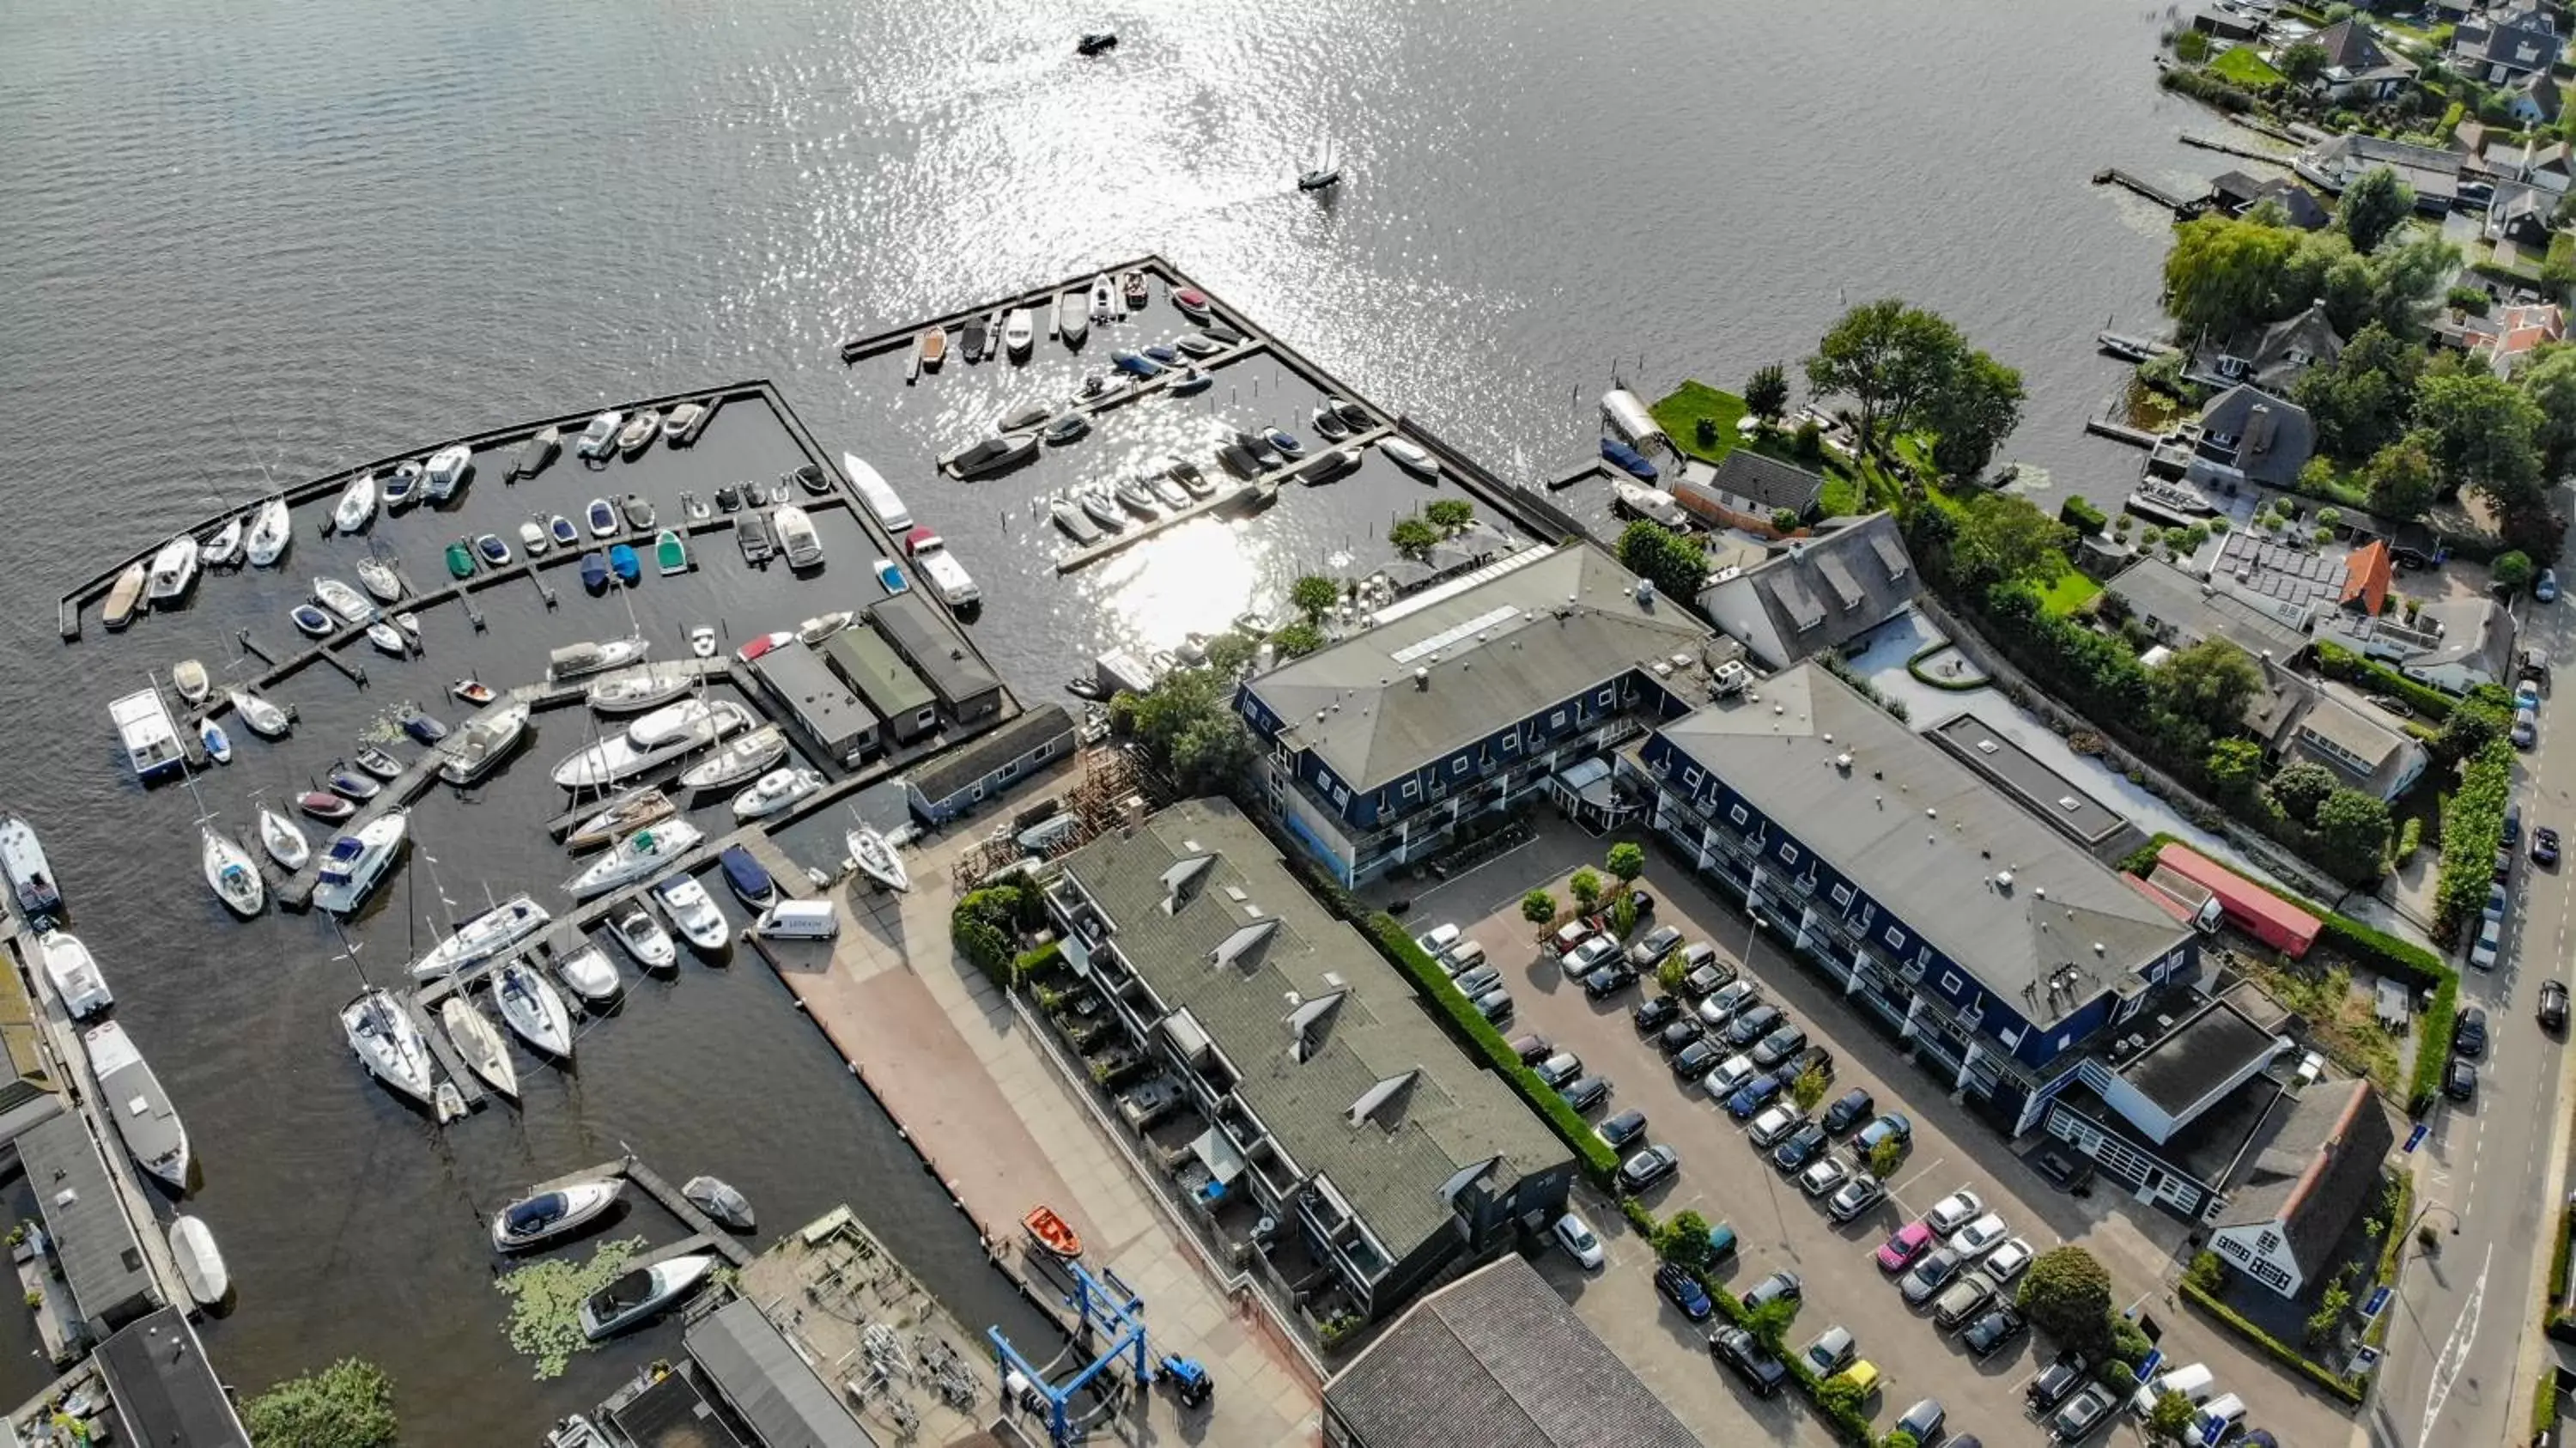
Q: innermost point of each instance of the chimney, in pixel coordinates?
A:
(1422, 679)
(2258, 430)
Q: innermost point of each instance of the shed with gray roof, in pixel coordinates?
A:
(111, 1283)
(966, 689)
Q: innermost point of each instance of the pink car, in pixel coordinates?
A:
(1899, 1251)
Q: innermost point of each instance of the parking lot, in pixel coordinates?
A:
(1725, 1178)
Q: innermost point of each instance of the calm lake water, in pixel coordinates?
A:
(273, 241)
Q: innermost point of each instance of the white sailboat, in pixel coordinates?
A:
(261, 717)
(357, 505)
(340, 598)
(272, 529)
(223, 547)
(634, 857)
(486, 935)
(389, 1044)
(478, 1044)
(231, 871)
(875, 857)
(379, 579)
(739, 760)
(532, 1007)
(635, 690)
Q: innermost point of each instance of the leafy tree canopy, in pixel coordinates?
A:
(349, 1404)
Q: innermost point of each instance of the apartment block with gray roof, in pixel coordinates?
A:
(1990, 941)
(1458, 701)
(1329, 1096)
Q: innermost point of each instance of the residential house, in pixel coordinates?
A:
(1500, 1359)
(2363, 753)
(967, 690)
(2306, 1180)
(2506, 336)
(2180, 609)
(2547, 165)
(954, 783)
(2272, 357)
(2234, 193)
(2220, 24)
(2453, 645)
(2368, 573)
(1334, 1104)
(1463, 698)
(2358, 68)
(1990, 941)
(2506, 45)
(1746, 488)
(2432, 173)
(1818, 594)
(831, 718)
(2535, 99)
(2518, 215)
(2243, 435)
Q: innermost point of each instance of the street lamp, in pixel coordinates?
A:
(2430, 1208)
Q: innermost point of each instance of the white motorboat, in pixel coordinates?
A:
(151, 741)
(693, 912)
(174, 571)
(638, 1295)
(357, 505)
(200, 1262)
(31, 875)
(479, 747)
(671, 734)
(258, 715)
(875, 857)
(271, 530)
(742, 759)
(599, 439)
(534, 1220)
(532, 1007)
(623, 815)
(232, 872)
(573, 660)
(125, 597)
(874, 491)
(1104, 298)
(478, 1045)
(775, 791)
(532, 538)
(188, 678)
(823, 625)
(796, 536)
(678, 424)
(447, 471)
(717, 1198)
(392, 1049)
(702, 641)
(592, 976)
(75, 976)
(389, 639)
(134, 1100)
(223, 547)
(283, 839)
(341, 599)
(634, 690)
(489, 934)
(1019, 330)
(379, 579)
(1073, 318)
(355, 864)
(1410, 457)
(644, 938)
(948, 577)
(653, 848)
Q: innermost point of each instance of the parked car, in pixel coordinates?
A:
(2460, 1080)
(1569, 935)
(1891, 1127)
(1680, 1036)
(1978, 1237)
(1856, 1196)
(2490, 944)
(2469, 1031)
(1824, 1174)
(1744, 1353)
(2498, 902)
(2008, 1261)
(1777, 1287)
(1649, 1167)
(1682, 1290)
(1779, 1046)
(1656, 1012)
(1863, 1375)
(2079, 1417)
(1560, 1068)
(1753, 1025)
(2526, 728)
(2545, 587)
(1922, 1422)
(1903, 1245)
(1586, 1092)
(1833, 1350)
(2526, 693)
(2553, 1005)
(1654, 945)
(1697, 1059)
(1932, 1272)
(2513, 822)
(1588, 957)
(1966, 1298)
(1730, 1000)
(1993, 1332)
(1580, 1241)
(1773, 1125)
(1532, 1048)
(2064, 1374)
(1619, 1130)
(1700, 980)
(1608, 980)
(1815, 1058)
(1753, 1097)
(1480, 980)
(1954, 1211)
(1495, 1006)
(1731, 1073)
(2503, 874)
(2544, 847)
(1849, 1110)
(1436, 941)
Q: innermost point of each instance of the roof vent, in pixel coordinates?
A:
(2003, 881)
(2041, 891)
(1843, 761)
(1422, 677)
(2097, 948)
(1829, 739)
(1930, 813)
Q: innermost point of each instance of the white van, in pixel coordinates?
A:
(799, 920)
(2194, 1382)
(1463, 957)
(2227, 1411)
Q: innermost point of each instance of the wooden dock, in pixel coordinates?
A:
(468, 1085)
(2231, 148)
(2119, 432)
(2131, 181)
(705, 1235)
(874, 344)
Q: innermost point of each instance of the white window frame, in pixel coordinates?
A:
(1895, 938)
(1739, 817)
(1950, 982)
(1788, 853)
(1843, 897)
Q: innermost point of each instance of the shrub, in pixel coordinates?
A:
(1839, 1395)
(2512, 571)
(2206, 1273)
(2067, 1295)
(2082, 516)
(2280, 1351)
(2208, 89)
(2472, 828)
(985, 926)
(2340, 663)
(1885, 1158)
(2410, 838)
(1807, 444)
(2191, 47)
(349, 1404)
(1683, 1239)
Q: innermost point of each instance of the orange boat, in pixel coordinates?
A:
(1053, 1232)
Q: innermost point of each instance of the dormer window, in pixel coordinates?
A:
(1244, 947)
(1381, 1096)
(1183, 882)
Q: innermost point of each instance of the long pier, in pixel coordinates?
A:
(874, 344)
(2130, 180)
(2231, 148)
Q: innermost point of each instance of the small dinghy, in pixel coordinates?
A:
(642, 1293)
(591, 974)
(201, 1264)
(702, 641)
(75, 975)
(532, 1007)
(1190, 383)
(692, 912)
(623, 562)
(424, 728)
(478, 1044)
(328, 808)
(223, 547)
(391, 1047)
(538, 451)
(388, 639)
(217, 744)
(715, 1197)
(378, 578)
(622, 816)
(311, 621)
(284, 842)
(890, 577)
(534, 1220)
(351, 784)
(260, 716)
(603, 518)
(401, 487)
(741, 759)
(875, 857)
(643, 937)
(748, 879)
(594, 571)
(495, 553)
(639, 513)
(1053, 1232)
(775, 791)
(1077, 527)
(532, 537)
(357, 506)
(378, 763)
(460, 559)
(560, 529)
(472, 691)
(189, 677)
(232, 872)
(639, 432)
(670, 553)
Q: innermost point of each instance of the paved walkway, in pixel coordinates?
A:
(943, 1051)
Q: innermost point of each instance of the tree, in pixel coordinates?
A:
(1770, 1322)
(1682, 1239)
(2207, 1272)
(1413, 537)
(2226, 272)
(1450, 515)
(1784, 520)
(1213, 752)
(1899, 1438)
(349, 1404)
(1538, 908)
(2373, 207)
(1807, 444)
(1837, 1395)
(2483, 433)
(1187, 721)
(2302, 63)
(2402, 480)
(2409, 279)
(1228, 652)
(2359, 401)
(2211, 682)
(1809, 1088)
(1671, 971)
(1885, 1157)
(2512, 572)
(1973, 409)
(2191, 47)
(1671, 561)
(1297, 638)
(1766, 393)
(2352, 835)
(1586, 888)
(2067, 1295)
(2548, 378)
(2169, 1421)
(2005, 537)
(1314, 596)
(2235, 766)
(2301, 788)
(1623, 914)
(1627, 860)
(1888, 358)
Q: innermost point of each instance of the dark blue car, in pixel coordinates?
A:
(1752, 1096)
(1629, 458)
(1682, 1290)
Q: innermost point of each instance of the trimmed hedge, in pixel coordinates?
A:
(2337, 662)
(2558, 1260)
(2433, 1047)
(1432, 981)
(1914, 666)
(2472, 830)
(2228, 1318)
(2392, 1250)
(2544, 1404)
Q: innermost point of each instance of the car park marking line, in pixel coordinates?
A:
(1896, 1194)
(2455, 1351)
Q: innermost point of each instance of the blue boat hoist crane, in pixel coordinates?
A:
(1109, 1312)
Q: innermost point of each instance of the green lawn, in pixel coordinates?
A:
(1680, 413)
(2071, 591)
(2241, 65)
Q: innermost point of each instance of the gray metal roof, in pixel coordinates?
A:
(827, 709)
(1825, 591)
(1391, 1164)
(2339, 724)
(1498, 1360)
(92, 1239)
(956, 770)
(868, 663)
(934, 651)
(1778, 747)
(1768, 481)
(1546, 632)
(164, 1388)
(759, 1373)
